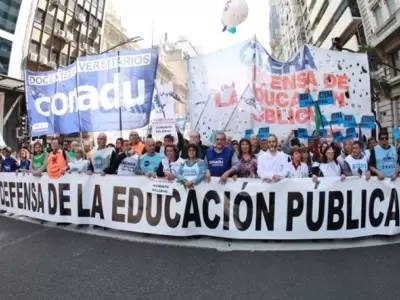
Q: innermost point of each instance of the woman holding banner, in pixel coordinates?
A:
(170, 165)
(247, 166)
(193, 170)
(328, 165)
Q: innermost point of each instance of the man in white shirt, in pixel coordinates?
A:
(272, 166)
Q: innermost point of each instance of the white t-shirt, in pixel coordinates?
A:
(78, 165)
(101, 159)
(356, 164)
(128, 165)
(172, 167)
(300, 172)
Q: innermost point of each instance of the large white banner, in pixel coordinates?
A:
(243, 87)
(247, 209)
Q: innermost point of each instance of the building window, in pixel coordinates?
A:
(63, 59)
(49, 21)
(72, 60)
(55, 55)
(321, 13)
(82, 38)
(63, 2)
(71, 4)
(45, 51)
(395, 57)
(5, 52)
(9, 14)
(101, 4)
(34, 47)
(58, 25)
(39, 16)
(76, 35)
(378, 13)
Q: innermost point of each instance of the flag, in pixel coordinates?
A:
(317, 117)
(248, 102)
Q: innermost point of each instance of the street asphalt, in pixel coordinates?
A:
(40, 263)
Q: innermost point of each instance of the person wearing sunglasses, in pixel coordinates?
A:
(383, 158)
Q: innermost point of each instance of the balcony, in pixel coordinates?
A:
(388, 33)
(343, 28)
(333, 19)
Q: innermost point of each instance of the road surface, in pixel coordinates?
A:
(40, 263)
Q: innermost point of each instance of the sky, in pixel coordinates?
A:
(197, 20)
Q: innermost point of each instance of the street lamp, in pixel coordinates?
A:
(134, 39)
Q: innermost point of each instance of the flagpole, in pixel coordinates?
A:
(201, 114)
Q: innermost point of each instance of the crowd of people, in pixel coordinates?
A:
(190, 162)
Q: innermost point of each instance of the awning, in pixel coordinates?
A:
(12, 84)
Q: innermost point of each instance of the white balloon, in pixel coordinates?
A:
(235, 12)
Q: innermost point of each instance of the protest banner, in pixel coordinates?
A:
(218, 81)
(245, 209)
(113, 87)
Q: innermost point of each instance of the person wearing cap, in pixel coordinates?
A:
(298, 169)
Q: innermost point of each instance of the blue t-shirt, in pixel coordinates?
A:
(9, 164)
(150, 163)
(24, 164)
(219, 163)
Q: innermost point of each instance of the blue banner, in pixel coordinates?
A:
(104, 92)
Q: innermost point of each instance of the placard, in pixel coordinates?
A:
(349, 121)
(162, 127)
(248, 133)
(263, 133)
(336, 118)
(325, 97)
(161, 186)
(367, 122)
(302, 133)
(396, 133)
(350, 134)
(305, 100)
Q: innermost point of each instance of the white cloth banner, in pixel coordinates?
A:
(246, 209)
(220, 80)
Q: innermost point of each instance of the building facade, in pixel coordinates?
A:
(63, 30)
(274, 31)
(317, 22)
(381, 20)
(291, 26)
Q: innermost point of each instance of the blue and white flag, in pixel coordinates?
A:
(104, 92)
